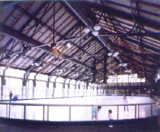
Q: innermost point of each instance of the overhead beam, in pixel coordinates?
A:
(35, 14)
(4, 29)
(74, 70)
(39, 60)
(144, 45)
(80, 76)
(38, 21)
(129, 51)
(6, 45)
(141, 63)
(126, 16)
(9, 5)
(63, 36)
(73, 6)
(94, 71)
(30, 68)
(33, 17)
(50, 74)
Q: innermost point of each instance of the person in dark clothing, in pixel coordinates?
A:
(10, 96)
(15, 98)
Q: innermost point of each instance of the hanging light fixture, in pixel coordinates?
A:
(95, 30)
(95, 33)
(97, 27)
(68, 45)
(127, 71)
(110, 54)
(116, 54)
(36, 64)
(87, 30)
(125, 64)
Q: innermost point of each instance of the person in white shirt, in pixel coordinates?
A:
(125, 101)
(110, 118)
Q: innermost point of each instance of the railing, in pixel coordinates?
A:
(55, 112)
(135, 95)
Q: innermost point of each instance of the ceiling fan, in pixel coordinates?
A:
(95, 32)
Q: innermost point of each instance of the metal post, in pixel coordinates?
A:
(47, 113)
(53, 93)
(3, 82)
(68, 91)
(9, 111)
(83, 89)
(68, 88)
(2, 92)
(34, 85)
(138, 111)
(43, 112)
(54, 87)
(63, 88)
(135, 111)
(33, 89)
(93, 89)
(92, 113)
(24, 112)
(69, 113)
(47, 86)
(26, 90)
(117, 112)
(75, 88)
(151, 110)
(105, 69)
(90, 89)
(6, 110)
(79, 88)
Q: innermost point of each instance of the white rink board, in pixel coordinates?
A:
(79, 113)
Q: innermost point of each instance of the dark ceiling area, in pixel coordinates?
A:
(81, 40)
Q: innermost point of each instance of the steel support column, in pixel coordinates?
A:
(105, 69)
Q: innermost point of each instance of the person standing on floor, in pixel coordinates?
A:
(10, 96)
(110, 118)
(125, 101)
(158, 110)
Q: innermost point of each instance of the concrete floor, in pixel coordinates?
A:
(138, 125)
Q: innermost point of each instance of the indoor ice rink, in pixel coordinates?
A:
(62, 59)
